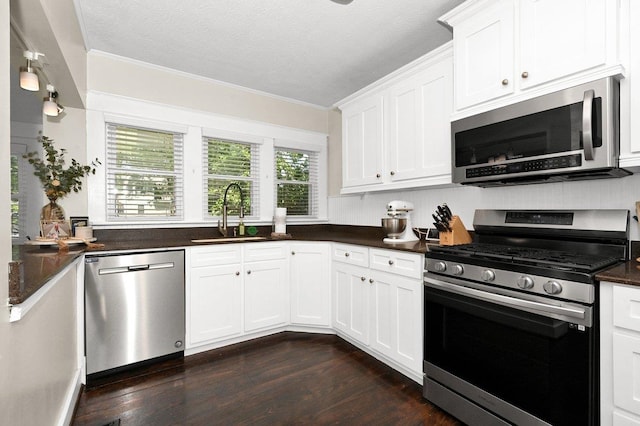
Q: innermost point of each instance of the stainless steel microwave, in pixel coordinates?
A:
(572, 134)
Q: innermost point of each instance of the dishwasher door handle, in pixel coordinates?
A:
(135, 268)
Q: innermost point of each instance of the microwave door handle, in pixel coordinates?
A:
(587, 124)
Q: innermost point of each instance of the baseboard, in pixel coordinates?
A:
(71, 399)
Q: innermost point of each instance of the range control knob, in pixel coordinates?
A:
(457, 269)
(552, 287)
(440, 266)
(488, 275)
(525, 282)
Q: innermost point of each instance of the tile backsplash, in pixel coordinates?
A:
(368, 208)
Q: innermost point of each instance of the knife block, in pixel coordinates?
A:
(457, 235)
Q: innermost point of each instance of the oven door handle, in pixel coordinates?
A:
(531, 306)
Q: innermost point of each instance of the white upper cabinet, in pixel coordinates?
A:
(505, 48)
(483, 49)
(559, 38)
(362, 127)
(396, 132)
(419, 133)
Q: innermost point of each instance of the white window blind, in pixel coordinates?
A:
(144, 173)
(296, 180)
(18, 207)
(226, 162)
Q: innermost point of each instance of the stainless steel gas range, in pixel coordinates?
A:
(511, 320)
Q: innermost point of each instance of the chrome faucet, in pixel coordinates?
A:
(223, 227)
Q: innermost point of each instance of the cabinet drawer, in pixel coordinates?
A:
(254, 252)
(224, 254)
(353, 255)
(626, 307)
(397, 262)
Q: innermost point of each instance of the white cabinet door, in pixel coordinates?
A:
(419, 130)
(310, 281)
(409, 323)
(362, 136)
(559, 38)
(396, 307)
(215, 303)
(266, 294)
(483, 47)
(351, 301)
(626, 371)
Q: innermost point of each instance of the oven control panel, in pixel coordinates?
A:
(564, 289)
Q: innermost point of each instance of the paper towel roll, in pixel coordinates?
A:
(280, 220)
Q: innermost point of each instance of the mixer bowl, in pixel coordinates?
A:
(394, 226)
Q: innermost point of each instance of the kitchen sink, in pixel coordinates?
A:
(226, 239)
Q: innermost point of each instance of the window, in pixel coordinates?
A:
(227, 162)
(144, 173)
(296, 179)
(16, 228)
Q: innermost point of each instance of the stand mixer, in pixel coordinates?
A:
(398, 224)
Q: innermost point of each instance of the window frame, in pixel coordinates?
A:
(194, 124)
(257, 146)
(177, 173)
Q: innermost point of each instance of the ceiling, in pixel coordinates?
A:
(313, 51)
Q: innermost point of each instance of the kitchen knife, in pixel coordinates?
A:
(442, 212)
(439, 227)
(447, 210)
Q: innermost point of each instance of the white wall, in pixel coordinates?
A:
(117, 76)
(69, 131)
(367, 209)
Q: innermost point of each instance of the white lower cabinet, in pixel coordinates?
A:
(215, 303)
(380, 306)
(310, 281)
(351, 293)
(266, 294)
(228, 296)
(397, 318)
(619, 354)
(372, 297)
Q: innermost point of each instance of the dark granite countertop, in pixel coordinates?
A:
(33, 266)
(625, 273)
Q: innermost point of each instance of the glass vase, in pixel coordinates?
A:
(52, 211)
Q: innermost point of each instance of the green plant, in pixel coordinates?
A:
(57, 180)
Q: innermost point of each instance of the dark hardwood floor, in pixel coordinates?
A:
(285, 379)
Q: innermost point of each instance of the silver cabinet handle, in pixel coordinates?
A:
(293, 253)
(587, 124)
(390, 262)
(362, 278)
(370, 280)
(392, 173)
(346, 255)
(237, 273)
(505, 82)
(525, 74)
(249, 272)
(378, 175)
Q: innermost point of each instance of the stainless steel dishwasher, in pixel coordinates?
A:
(134, 308)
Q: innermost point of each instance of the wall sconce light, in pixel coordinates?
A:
(51, 106)
(28, 76)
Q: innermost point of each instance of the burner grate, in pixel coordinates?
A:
(553, 259)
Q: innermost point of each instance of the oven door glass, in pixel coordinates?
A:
(541, 365)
